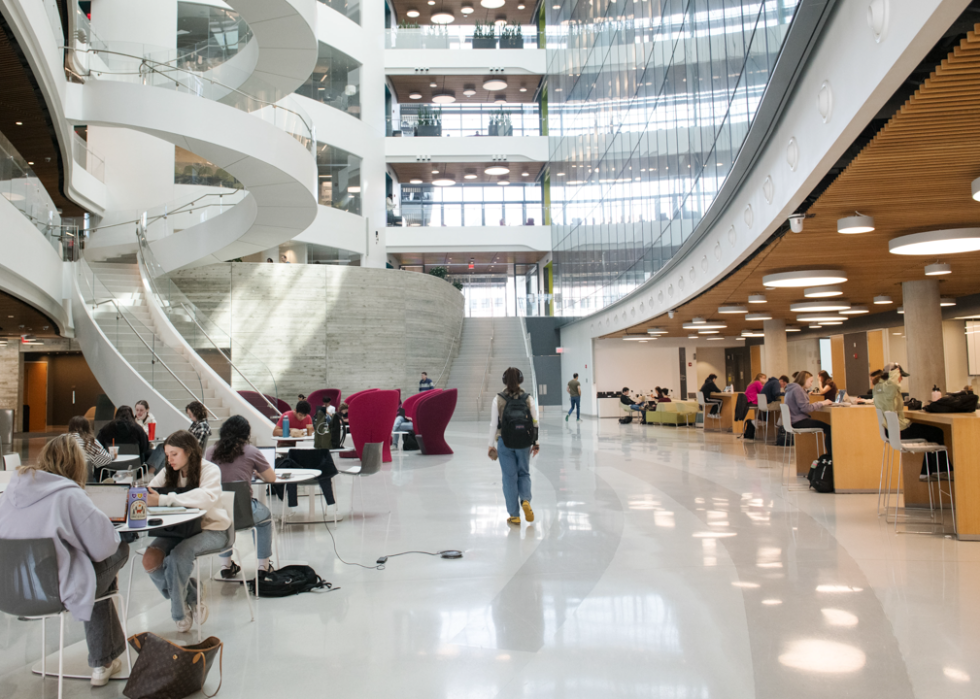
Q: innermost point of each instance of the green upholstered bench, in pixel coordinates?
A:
(681, 412)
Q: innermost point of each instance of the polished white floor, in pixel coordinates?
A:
(663, 562)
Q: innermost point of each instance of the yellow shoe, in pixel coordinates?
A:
(528, 512)
(514, 520)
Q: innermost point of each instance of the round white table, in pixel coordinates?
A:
(306, 438)
(126, 457)
(168, 521)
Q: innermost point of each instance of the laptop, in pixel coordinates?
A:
(112, 500)
(270, 455)
(840, 396)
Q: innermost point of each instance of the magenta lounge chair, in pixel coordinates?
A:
(432, 415)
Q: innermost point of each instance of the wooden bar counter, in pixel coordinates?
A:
(727, 412)
(962, 432)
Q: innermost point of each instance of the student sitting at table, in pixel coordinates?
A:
(195, 483)
(238, 460)
(199, 421)
(707, 388)
(299, 419)
(800, 406)
(663, 396)
(754, 388)
(773, 388)
(143, 416)
(47, 501)
(626, 400)
(828, 389)
(95, 454)
(888, 398)
(124, 430)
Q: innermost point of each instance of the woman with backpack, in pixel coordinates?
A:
(514, 439)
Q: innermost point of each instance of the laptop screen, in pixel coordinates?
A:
(270, 455)
(113, 500)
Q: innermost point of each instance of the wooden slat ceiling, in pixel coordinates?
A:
(406, 84)
(424, 172)
(34, 139)
(18, 318)
(458, 262)
(913, 176)
(480, 14)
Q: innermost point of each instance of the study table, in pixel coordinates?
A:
(727, 411)
(857, 447)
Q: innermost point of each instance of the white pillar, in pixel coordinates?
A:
(777, 355)
(923, 338)
(373, 115)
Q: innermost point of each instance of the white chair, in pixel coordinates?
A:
(243, 522)
(371, 456)
(885, 448)
(762, 415)
(925, 448)
(11, 461)
(818, 436)
(705, 404)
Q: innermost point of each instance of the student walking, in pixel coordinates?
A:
(514, 438)
(575, 392)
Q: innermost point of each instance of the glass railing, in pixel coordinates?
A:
(22, 188)
(460, 37)
(470, 205)
(465, 120)
(350, 8)
(161, 366)
(241, 368)
(87, 158)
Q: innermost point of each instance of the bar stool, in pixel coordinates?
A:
(705, 404)
(818, 436)
(885, 447)
(926, 448)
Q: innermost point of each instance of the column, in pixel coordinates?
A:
(777, 356)
(373, 110)
(923, 338)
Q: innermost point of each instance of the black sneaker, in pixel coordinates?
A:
(231, 572)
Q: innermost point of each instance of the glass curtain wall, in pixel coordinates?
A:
(350, 8)
(336, 81)
(208, 36)
(651, 102)
(339, 183)
(471, 205)
(475, 119)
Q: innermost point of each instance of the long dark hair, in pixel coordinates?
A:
(512, 378)
(125, 414)
(81, 426)
(197, 409)
(711, 377)
(232, 438)
(182, 439)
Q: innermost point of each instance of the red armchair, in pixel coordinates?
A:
(432, 415)
(371, 417)
(315, 399)
(413, 400)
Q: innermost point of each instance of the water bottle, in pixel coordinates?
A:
(936, 394)
(285, 426)
(137, 507)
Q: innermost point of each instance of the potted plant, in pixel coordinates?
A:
(511, 36)
(409, 35)
(500, 124)
(484, 36)
(429, 122)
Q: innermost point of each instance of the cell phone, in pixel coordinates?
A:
(154, 522)
(285, 475)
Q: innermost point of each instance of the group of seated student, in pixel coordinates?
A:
(773, 388)
(123, 429)
(753, 390)
(800, 406)
(661, 395)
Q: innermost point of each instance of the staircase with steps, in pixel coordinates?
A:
(122, 282)
(470, 365)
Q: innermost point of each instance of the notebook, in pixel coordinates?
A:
(113, 500)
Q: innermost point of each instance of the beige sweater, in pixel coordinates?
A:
(205, 497)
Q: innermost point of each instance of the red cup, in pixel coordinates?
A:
(152, 430)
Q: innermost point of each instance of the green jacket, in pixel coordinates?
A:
(887, 396)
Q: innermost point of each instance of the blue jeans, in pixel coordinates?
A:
(576, 403)
(515, 467)
(173, 578)
(263, 528)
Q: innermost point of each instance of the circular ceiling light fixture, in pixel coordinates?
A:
(698, 321)
(494, 84)
(470, 174)
(938, 268)
(715, 338)
(500, 20)
(497, 170)
(705, 325)
(792, 329)
(415, 181)
(819, 306)
(833, 322)
(442, 17)
(758, 316)
(525, 174)
(436, 172)
(500, 99)
(944, 242)
(804, 278)
(947, 301)
(822, 292)
(636, 338)
(433, 84)
(749, 333)
(467, 8)
(814, 326)
(757, 298)
(522, 89)
(469, 90)
(732, 309)
(413, 13)
(820, 317)
(854, 311)
(414, 95)
(858, 223)
(447, 97)
(503, 182)
(901, 310)
(883, 300)
(708, 332)
(492, 4)
(444, 181)
(657, 331)
(692, 337)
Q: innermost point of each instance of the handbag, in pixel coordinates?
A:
(165, 670)
(913, 404)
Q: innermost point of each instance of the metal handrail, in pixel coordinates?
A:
(452, 348)
(148, 62)
(530, 358)
(120, 314)
(167, 212)
(486, 374)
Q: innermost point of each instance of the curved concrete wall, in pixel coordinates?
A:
(328, 326)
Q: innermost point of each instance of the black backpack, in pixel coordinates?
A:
(516, 424)
(783, 438)
(954, 403)
(748, 429)
(288, 581)
(626, 419)
(821, 475)
(409, 442)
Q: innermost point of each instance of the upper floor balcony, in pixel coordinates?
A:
(480, 37)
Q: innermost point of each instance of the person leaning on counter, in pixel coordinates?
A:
(800, 406)
(888, 398)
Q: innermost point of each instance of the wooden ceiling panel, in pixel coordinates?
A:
(480, 14)
(406, 84)
(18, 318)
(425, 172)
(914, 176)
(458, 262)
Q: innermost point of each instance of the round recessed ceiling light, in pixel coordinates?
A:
(494, 84)
(733, 309)
(820, 317)
(467, 8)
(858, 223)
(757, 298)
(657, 331)
(469, 92)
(900, 310)
(431, 2)
(704, 325)
(882, 300)
(945, 242)
(444, 98)
(938, 268)
(692, 337)
(791, 329)
(822, 292)
(749, 333)
(444, 182)
(804, 278)
(469, 176)
(497, 170)
(413, 13)
(708, 332)
(854, 311)
(415, 181)
(436, 172)
(414, 95)
(819, 306)
(433, 84)
(947, 301)
(443, 17)
(522, 89)
(492, 4)
(758, 316)
(525, 174)
(503, 182)
(715, 338)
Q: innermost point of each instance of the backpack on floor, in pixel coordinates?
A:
(783, 438)
(748, 429)
(288, 581)
(625, 420)
(409, 442)
(515, 422)
(821, 475)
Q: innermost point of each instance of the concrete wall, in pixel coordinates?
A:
(320, 326)
(10, 381)
(711, 360)
(803, 354)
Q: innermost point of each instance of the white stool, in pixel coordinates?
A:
(818, 436)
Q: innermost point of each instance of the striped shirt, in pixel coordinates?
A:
(95, 454)
(200, 429)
